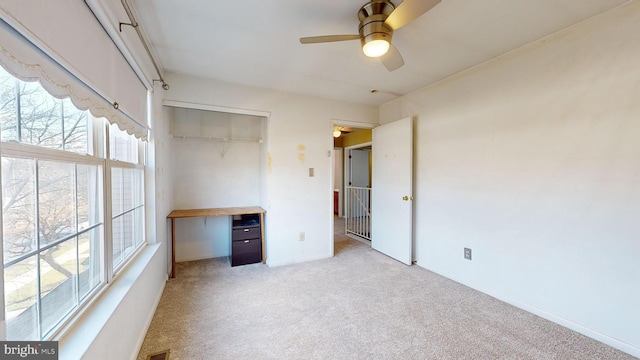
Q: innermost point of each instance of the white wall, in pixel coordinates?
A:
(298, 138)
(532, 160)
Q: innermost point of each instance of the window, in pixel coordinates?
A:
(57, 241)
(127, 195)
(52, 235)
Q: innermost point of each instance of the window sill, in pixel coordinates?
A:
(80, 336)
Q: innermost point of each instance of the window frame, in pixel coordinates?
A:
(110, 163)
(35, 154)
(98, 154)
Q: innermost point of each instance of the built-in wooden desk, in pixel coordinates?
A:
(228, 211)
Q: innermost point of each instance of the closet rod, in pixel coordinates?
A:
(206, 138)
(134, 24)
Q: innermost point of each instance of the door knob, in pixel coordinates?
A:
(405, 198)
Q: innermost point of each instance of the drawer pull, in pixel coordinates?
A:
(246, 230)
(246, 241)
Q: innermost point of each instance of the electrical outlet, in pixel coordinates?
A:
(301, 238)
(467, 253)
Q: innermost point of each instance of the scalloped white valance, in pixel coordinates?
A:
(28, 63)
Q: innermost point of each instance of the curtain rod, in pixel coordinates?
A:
(134, 24)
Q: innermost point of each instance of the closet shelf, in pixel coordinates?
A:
(216, 139)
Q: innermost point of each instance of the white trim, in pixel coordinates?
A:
(127, 261)
(225, 109)
(354, 124)
(358, 146)
(300, 260)
(13, 149)
(124, 164)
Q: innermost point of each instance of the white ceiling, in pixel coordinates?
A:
(255, 42)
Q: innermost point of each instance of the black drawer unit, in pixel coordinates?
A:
(246, 252)
(246, 240)
(245, 233)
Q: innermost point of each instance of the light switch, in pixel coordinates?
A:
(310, 172)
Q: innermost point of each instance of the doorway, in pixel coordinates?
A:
(351, 165)
(390, 174)
(357, 194)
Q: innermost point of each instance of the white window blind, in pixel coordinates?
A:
(99, 76)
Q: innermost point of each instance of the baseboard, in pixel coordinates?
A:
(200, 257)
(297, 261)
(603, 338)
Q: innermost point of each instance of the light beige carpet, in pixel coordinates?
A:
(359, 304)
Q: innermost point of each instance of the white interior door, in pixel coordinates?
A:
(391, 190)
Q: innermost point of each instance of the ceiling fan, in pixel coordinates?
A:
(378, 20)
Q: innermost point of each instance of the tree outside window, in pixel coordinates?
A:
(52, 210)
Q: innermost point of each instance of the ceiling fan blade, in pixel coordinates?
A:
(392, 60)
(327, 38)
(408, 11)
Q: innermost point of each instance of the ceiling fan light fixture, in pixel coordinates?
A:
(378, 20)
(375, 48)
